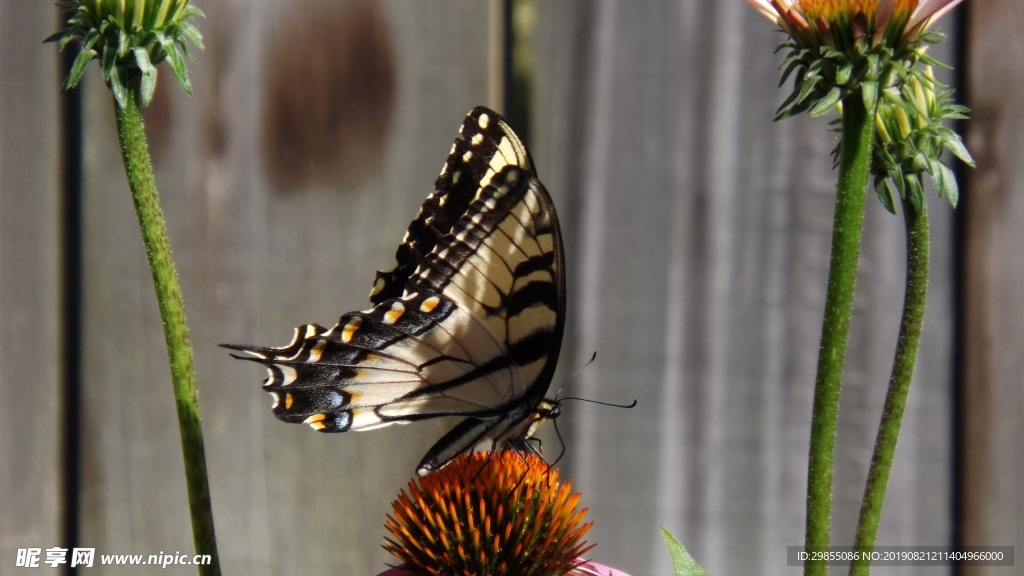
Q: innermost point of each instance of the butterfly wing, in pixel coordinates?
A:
(486, 146)
(475, 328)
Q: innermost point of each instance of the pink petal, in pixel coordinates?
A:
(588, 569)
(929, 11)
(883, 12)
(766, 9)
(595, 569)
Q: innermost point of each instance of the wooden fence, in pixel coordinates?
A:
(697, 236)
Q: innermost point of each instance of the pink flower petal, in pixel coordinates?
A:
(588, 569)
(595, 569)
(766, 9)
(928, 11)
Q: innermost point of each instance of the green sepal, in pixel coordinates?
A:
(177, 65)
(956, 148)
(826, 103)
(78, 68)
(844, 74)
(191, 33)
(191, 11)
(809, 82)
(147, 77)
(123, 43)
(142, 60)
(118, 89)
(869, 93)
(884, 193)
(64, 36)
(914, 191)
(949, 188)
(108, 63)
(938, 176)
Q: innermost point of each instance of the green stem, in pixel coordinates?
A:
(854, 170)
(135, 155)
(899, 382)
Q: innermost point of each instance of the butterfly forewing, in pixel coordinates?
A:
(503, 263)
(485, 147)
(468, 323)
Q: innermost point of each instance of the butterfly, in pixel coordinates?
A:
(468, 323)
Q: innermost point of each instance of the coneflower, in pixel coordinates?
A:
(488, 514)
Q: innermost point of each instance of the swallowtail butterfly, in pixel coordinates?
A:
(468, 323)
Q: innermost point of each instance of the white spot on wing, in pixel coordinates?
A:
(288, 375)
(484, 121)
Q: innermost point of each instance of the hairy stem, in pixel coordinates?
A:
(915, 295)
(854, 169)
(135, 155)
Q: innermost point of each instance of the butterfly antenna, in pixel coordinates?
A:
(612, 404)
(576, 373)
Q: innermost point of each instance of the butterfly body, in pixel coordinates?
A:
(468, 323)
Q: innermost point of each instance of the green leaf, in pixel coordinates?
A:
(827, 103)
(682, 563)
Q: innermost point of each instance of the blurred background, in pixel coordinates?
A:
(697, 234)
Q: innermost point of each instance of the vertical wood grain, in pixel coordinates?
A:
(30, 281)
(993, 285)
(257, 257)
(697, 238)
(698, 235)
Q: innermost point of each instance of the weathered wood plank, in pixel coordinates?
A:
(30, 282)
(698, 236)
(697, 239)
(263, 246)
(993, 283)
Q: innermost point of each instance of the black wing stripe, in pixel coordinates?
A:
(486, 145)
(469, 322)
